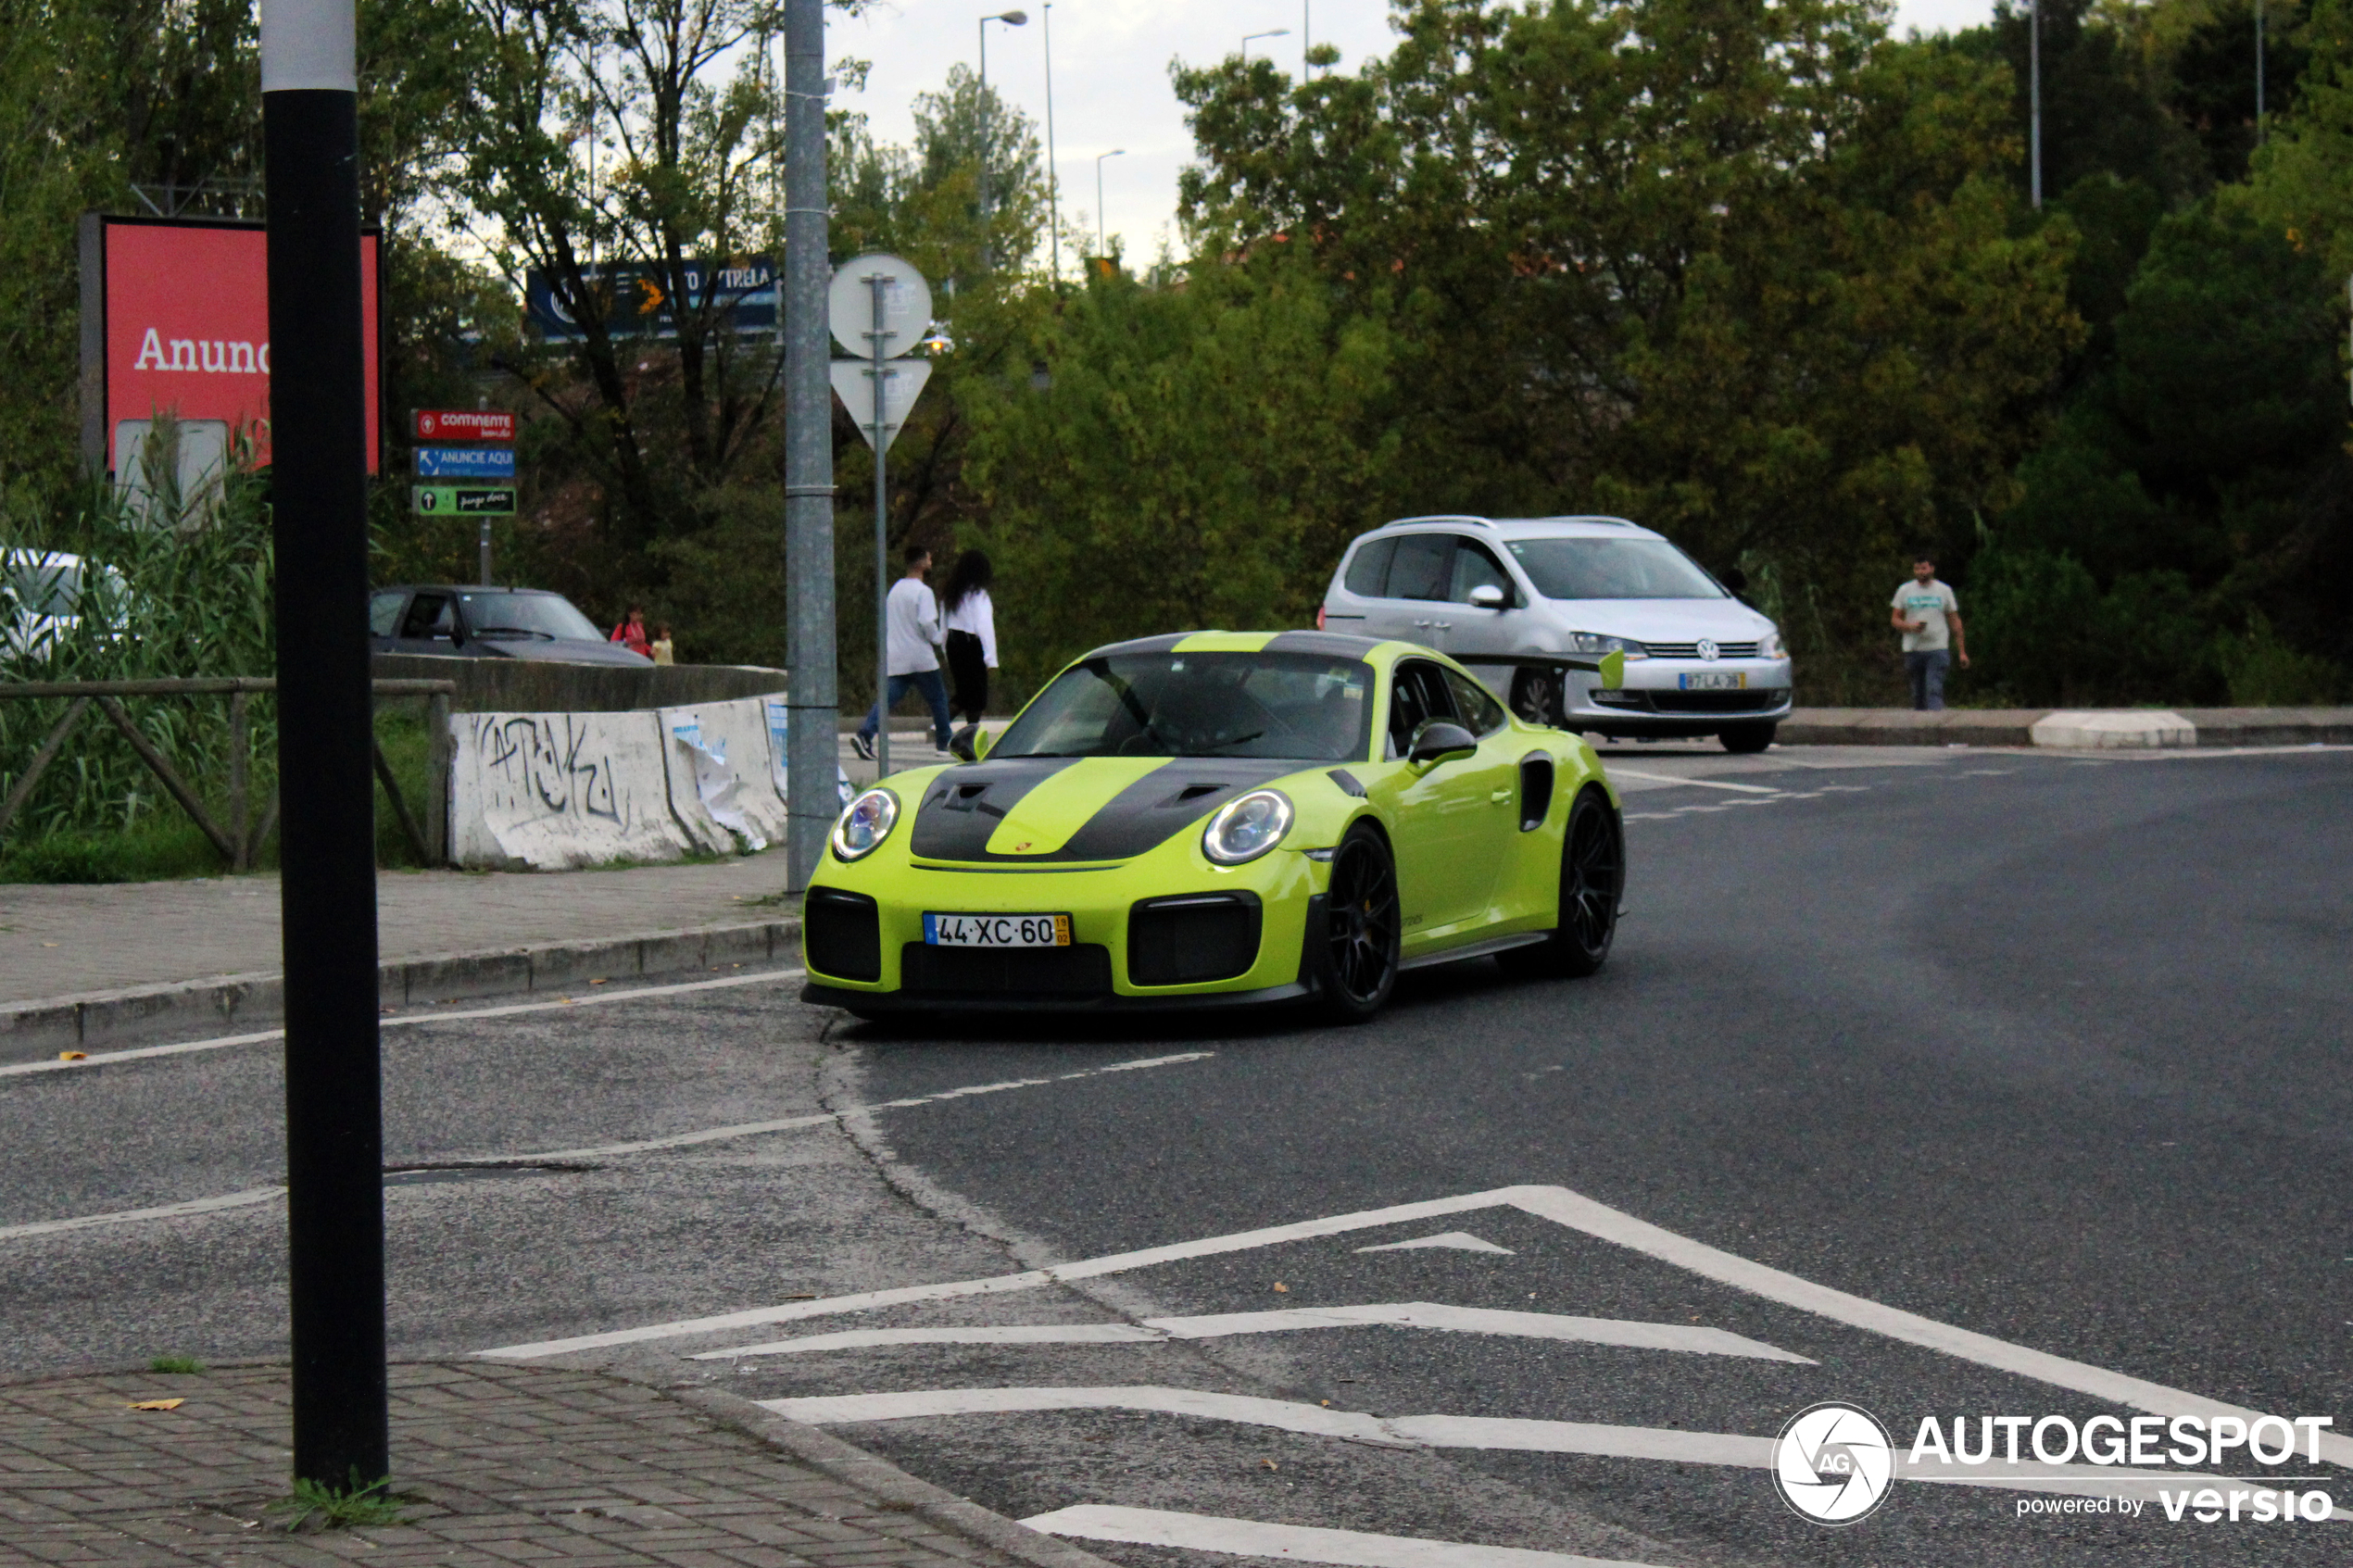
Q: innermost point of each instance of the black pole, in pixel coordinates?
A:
(319, 458)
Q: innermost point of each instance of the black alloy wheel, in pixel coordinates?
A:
(1592, 881)
(1363, 929)
(1536, 697)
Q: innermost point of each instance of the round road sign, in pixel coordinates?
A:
(849, 306)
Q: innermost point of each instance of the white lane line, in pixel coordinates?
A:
(677, 1140)
(1496, 1434)
(593, 998)
(1387, 1315)
(1697, 783)
(1030, 1279)
(1562, 1207)
(1295, 1543)
(1459, 1240)
(132, 1216)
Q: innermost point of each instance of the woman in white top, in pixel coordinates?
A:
(971, 621)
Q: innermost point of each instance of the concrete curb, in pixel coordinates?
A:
(884, 1481)
(2069, 728)
(29, 1031)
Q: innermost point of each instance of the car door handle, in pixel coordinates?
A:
(1442, 625)
(1499, 796)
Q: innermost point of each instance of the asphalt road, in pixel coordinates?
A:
(2047, 1051)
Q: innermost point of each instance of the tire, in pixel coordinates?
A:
(1364, 932)
(1741, 739)
(1592, 881)
(1536, 697)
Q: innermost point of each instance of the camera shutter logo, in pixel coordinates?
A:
(1834, 1463)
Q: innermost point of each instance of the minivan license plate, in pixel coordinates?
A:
(1715, 680)
(997, 931)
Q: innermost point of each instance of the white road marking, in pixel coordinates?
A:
(1499, 1434)
(592, 998)
(1295, 1543)
(1617, 772)
(1388, 1314)
(1555, 1203)
(1461, 1240)
(677, 1140)
(132, 1216)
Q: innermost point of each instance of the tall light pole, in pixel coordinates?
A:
(1102, 234)
(812, 697)
(2259, 72)
(1306, 38)
(988, 121)
(327, 892)
(2035, 98)
(1248, 38)
(1054, 174)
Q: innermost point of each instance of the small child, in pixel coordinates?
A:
(660, 647)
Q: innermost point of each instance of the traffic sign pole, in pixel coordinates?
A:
(334, 1128)
(880, 282)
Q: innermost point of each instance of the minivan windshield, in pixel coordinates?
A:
(1277, 705)
(543, 615)
(1585, 568)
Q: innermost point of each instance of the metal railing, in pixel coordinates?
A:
(240, 838)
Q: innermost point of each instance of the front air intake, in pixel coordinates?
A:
(841, 934)
(1193, 939)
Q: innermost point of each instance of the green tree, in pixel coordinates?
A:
(1187, 456)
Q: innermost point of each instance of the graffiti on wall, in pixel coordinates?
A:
(549, 765)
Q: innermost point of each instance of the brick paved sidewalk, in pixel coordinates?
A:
(504, 1464)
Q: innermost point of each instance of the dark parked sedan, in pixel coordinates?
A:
(488, 623)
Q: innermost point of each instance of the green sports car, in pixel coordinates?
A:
(1219, 819)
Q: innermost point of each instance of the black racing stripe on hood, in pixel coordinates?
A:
(963, 806)
(955, 822)
(1165, 801)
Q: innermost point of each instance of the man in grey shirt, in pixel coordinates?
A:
(1928, 614)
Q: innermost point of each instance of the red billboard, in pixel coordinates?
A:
(182, 326)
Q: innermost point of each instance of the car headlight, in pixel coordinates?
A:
(1770, 645)
(1247, 828)
(861, 830)
(1595, 642)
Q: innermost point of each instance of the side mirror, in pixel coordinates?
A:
(1438, 740)
(1736, 579)
(969, 744)
(1488, 596)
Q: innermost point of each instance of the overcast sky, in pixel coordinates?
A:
(1111, 77)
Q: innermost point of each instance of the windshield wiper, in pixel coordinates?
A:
(513, 632)
(1232, 740)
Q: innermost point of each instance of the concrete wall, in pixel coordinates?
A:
(516, 686)
(558, 791)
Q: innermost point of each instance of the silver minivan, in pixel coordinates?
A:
(1698, 662)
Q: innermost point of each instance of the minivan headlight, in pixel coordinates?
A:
(861, 828)
(1595, 642)
(1247, 828)
(1770, 645)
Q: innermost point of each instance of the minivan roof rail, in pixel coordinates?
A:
(1441, 517)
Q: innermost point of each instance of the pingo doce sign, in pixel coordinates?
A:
(176, 320)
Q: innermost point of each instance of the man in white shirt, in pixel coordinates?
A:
(1928, 614)
(912, 617)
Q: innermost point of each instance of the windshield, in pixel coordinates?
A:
(545, 615)
(1612, 569)
(1277, 705)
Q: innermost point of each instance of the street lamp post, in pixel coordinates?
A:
(1306, 38)
(989, 119)
(2034, 97)
(1054, 174)
(1248, 38)
(1102, 234)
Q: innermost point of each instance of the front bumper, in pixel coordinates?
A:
(1652, 701)
(890, 968)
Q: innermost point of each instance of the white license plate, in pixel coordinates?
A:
(997, 931)
(1714, 681)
